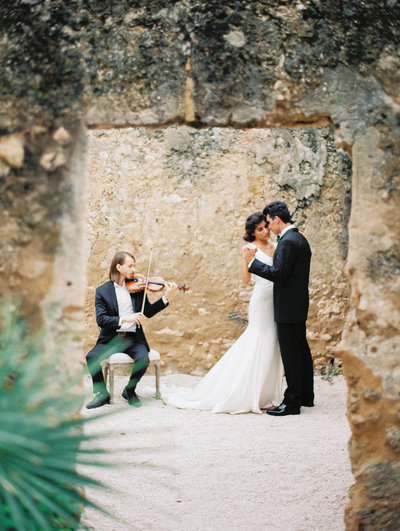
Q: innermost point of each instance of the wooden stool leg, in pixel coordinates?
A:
(111, 380)
(157, 371)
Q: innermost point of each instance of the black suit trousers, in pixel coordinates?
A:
(298, 364)
(136, 350)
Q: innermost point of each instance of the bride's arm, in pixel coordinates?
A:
(246, 275)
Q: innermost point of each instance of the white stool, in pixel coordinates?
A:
(120, 359)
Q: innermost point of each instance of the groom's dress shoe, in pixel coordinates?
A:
(132, 397)
(283, 410)
(98, 400)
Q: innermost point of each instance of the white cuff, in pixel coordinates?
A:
(165, 301)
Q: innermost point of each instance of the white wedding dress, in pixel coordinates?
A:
(249, 376)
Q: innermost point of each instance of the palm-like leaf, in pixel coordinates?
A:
(40, 434)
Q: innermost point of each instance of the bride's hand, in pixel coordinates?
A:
(248, 253)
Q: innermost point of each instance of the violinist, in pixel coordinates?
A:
(119, 313)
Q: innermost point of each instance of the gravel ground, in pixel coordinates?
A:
(184, 470)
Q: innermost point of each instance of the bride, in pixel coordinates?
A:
(249, 376)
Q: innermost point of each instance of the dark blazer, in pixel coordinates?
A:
(289, 273)
(107, 312)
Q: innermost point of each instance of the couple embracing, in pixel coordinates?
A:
(249, 376)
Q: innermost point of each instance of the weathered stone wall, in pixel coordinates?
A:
(42, 215)
(186, 193)
(212, 63)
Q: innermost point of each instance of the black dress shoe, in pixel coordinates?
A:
(307, 404)
(98, 400)
(132, 397)
(283, 410)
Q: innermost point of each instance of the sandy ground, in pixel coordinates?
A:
(183, 470)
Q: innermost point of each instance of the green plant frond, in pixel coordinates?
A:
(58, 475)
(64, 440)
(49, 503)
(26, 501)
(20, 459)
(20, 442)
(84, 460)
(17, 513)
(25, 477)
(54, 447)
(41, 443)
(60, 463)
(65, 496)
(14, 464)
(68, 475)
(41, 432)
(68, 495)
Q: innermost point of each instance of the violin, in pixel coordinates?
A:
(138, 283)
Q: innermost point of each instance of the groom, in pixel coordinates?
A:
(289, 273)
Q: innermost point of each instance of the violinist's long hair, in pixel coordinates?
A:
(119, 258)
(251, 224)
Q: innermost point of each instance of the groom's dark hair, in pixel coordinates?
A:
(280, 209)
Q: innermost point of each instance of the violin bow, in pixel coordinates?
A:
(147, 281)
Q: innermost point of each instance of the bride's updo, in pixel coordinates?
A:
(251, 223)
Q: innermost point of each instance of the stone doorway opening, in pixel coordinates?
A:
(69, 64)
(185, 193)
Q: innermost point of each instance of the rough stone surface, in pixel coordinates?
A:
(383, 483)
(212, 63)
(186, 194)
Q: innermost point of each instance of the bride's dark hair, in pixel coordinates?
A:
(251, 224)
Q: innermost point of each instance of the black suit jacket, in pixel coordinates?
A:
(107, 316)
(289, 273)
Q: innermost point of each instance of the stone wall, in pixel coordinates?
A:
(185, 193)
(203, 63)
